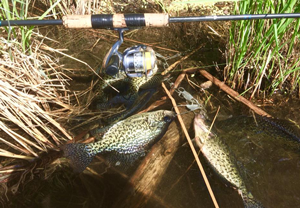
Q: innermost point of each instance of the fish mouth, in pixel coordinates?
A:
(169, 116)
(199, 125)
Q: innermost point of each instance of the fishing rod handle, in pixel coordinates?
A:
(111, 21)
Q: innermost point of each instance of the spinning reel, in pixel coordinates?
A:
(136, 61)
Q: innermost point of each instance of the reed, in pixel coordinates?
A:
(264, 54)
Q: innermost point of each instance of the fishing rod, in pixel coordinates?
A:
(140, 60)
(112, 21)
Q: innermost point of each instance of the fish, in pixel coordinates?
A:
(129, 91)
(143, 99)
(126, 140)
(135, 93)
(221, 159)
(279, 132)
(278, 128)
(128, 88)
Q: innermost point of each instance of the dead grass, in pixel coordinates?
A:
(33, 96)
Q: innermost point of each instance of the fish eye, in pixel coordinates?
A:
(167, 119)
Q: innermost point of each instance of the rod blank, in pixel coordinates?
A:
(31, 22)
(232, 17)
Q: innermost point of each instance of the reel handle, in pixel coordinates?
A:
(113, 66)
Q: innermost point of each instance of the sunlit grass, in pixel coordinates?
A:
(264, 54)
(16, 10)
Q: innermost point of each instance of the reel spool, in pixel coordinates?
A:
(136, 61)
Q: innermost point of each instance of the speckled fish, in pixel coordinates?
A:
(283, 133)
(129, 139)
(222, 160)
(128, 88)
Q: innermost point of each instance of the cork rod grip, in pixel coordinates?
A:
(77, 21)
(109, 21)
(156, 20)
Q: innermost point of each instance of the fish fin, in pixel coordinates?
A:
(80, 155)
(99, 131)
(250, 201)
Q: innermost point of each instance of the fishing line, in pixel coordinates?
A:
(181, 113)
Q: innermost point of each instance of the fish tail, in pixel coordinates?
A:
(250, 201)
(80, 155)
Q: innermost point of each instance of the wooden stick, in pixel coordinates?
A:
(177, 82)
(191, 146)
(233, 93)
(155, 105)
(111, 169)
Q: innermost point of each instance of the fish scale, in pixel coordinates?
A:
(126, 139)
(133, 85)
(221, 159)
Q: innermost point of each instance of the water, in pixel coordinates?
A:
(271, 171)
(271, 168)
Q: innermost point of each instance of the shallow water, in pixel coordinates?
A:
(270, 168)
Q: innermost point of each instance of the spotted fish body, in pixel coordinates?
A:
(279, 128)
(131, 137)
(105, 83)
(127, 86)
(222, 160)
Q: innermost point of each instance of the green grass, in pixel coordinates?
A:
(18, 10)
(264, 54)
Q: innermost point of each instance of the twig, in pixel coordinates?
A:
(177, 82)
(213, 120)
(191, 146)
(164, 98)
(5, 153)
(233, 93)
(155, 104)
(179, 61)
